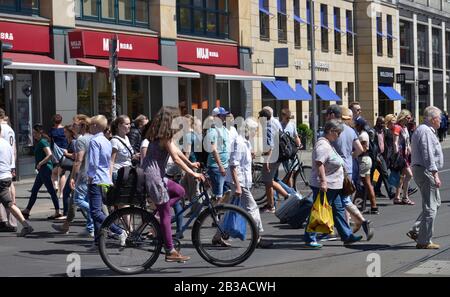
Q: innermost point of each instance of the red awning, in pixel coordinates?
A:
(139, 68)
(226, 73)
(42, 63)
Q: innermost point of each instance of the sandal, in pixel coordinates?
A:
(398, 201)
(406, 201)
(53, 217)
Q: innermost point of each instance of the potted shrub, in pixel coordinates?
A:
(306, 135)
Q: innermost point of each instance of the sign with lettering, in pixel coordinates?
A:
(386, 75)
(88, 44)
(25, 37)
(199, 53)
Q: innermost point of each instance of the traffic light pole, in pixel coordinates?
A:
(3, 63)
(314, 115)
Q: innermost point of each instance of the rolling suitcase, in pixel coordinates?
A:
(295, 211)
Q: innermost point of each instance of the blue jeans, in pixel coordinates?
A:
(217, 181)
(81, 200)
(66, 195)
(95, 205)
(335, 200)
(44, 177)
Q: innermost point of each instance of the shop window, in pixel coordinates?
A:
(2, 100)
(390, 37)
(204, 18)
(349, 33)
(104, 95)
(297, 24)
(447, 48)
(379, 34)
(85, 94)
(405, 43)
(437, 48)
(264, 20)
(223, 94)
(337, 30)
(127, 12)
(282, 21)
(422, 45)
(28, 7)
(351, 92)
(324, 27)
(135, 95)
(339, 91)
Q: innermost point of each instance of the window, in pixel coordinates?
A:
(324, 26)
(379, 34)
(264, 20)
(297, 24)
(351, 92)
(390, 37)
(437, 48)
(85, 94)
(282, 21)
(349, 33)
(422, 45)
(405, 42)
(127, 12)
(28, 7)
(203, 17)
(339, 91)
(447, 47)
(337, 30)
(135, 94)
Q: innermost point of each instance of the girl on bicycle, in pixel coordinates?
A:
(164, 192)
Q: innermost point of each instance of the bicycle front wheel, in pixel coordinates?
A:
(142, 246)
(216, 244)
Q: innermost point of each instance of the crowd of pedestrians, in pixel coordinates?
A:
(91, 152)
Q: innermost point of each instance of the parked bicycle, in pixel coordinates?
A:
(296, 170)
(144, 241)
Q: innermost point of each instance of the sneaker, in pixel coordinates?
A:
(123, 238)
(412, 191)
(220, 241)
(353, 239)
(60, 228)
(264, 244)
(5, 228)
(374, 211)
(86, 233)
(269, 210)
(430, 246)
(25, 231)
(313, 245)
(368, 230)
(176, 257)
(413, 235)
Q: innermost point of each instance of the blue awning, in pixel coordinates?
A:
(281, 90)
(302, 93)
(272, 89)
(299, 19)
(326, 93)
(391, 93)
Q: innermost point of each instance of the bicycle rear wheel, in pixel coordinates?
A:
(258, 188)
(143, 244)
(206, 229)
(302, 180)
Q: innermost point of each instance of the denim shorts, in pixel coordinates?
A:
(217, 181)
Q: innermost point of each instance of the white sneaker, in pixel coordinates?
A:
(86, 233)
(123, 238)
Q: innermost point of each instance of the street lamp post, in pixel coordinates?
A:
(315, 116)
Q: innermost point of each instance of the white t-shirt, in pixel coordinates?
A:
(6, 159)
(290, 129)
(123, 157)
(333, 163)
(10, 137)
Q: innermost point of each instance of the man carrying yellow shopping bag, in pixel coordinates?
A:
(327, 177)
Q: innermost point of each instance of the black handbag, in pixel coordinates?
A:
(66, 163)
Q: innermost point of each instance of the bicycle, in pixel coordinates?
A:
(296, 170)
(144, 241)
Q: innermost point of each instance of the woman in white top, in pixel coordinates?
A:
(122, 151)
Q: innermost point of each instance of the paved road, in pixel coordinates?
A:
(45, 252)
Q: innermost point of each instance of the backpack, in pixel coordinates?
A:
(129, 187)
(287, 147)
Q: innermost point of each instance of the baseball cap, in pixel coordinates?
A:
(361, 122)
(220, 111)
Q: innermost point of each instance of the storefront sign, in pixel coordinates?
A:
(207, 54)
(25, 37)
(386, 75)
(321, 66)
(86, 44)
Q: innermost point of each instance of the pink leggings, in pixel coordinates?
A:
(176, 192)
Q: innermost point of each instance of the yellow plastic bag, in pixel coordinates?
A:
(376, 176)
(321, 217)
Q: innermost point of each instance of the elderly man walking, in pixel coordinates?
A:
(427, 160)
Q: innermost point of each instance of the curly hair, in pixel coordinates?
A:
(161, 125)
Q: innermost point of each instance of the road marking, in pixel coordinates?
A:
(444, 171)
(432, 268)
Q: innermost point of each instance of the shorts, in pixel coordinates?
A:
(365, 166)
(269, 176)
(5, 196)
(217, 181)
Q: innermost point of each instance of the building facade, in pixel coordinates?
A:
(425, 53)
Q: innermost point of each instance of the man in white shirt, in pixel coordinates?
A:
(6, 164)
(8, 223)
